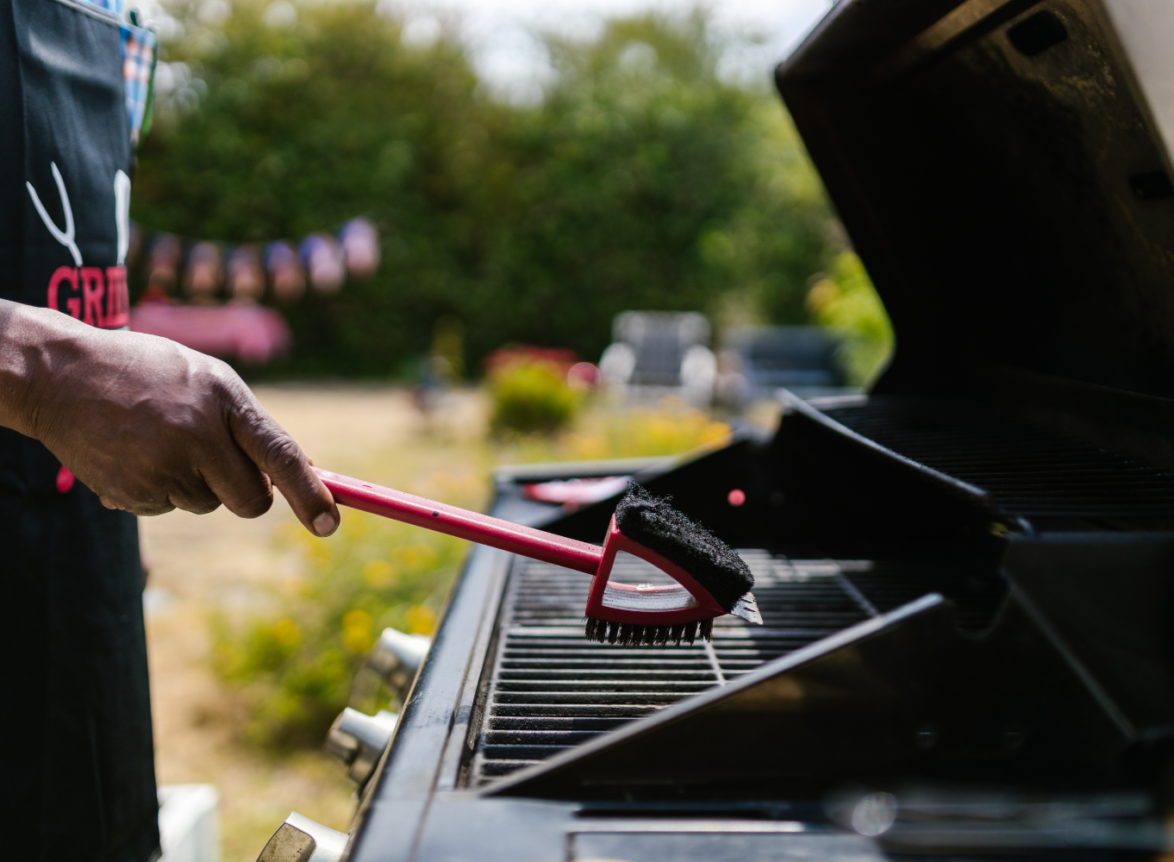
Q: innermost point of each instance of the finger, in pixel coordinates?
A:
(197, 499)
(276, 453)
(238, 483)
(127, 497)
(142, 508)
(162, 497)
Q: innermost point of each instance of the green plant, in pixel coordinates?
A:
(847, 302)
(531, 396)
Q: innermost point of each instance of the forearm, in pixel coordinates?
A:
(32, 342)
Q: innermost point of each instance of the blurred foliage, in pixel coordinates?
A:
(295, 666)
(847, 302)
(642, 180)
(531, 396)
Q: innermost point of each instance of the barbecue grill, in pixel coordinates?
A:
(964, 576)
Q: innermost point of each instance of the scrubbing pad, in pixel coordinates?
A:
(654, 523)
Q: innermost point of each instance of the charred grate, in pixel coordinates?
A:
(550, 688)
(1026, 471)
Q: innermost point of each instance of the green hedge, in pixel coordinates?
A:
(642, 181)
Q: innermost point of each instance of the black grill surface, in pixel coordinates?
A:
(550, 689)
(1027, 472)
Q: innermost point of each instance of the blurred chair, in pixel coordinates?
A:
(757, 361)
(659, 353)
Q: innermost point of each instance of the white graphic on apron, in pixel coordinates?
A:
(122, 214)
(92, 294)
(65, 237)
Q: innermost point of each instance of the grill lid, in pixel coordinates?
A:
(1003, 171)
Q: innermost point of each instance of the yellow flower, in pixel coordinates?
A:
(287, 633)
(414, 556)
(358, 620)
(356, 631)
(421, 620)
(357, 640)
(378, 574)
(356, 525)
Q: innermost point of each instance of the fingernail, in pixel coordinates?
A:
(325, 524)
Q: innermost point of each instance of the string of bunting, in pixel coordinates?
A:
(208, 295)
(206, 272)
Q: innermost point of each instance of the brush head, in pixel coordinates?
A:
(654, 523)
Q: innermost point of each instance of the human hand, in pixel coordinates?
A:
(148, 424)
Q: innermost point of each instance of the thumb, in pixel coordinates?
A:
(269, 447)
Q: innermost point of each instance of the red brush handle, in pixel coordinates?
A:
(462, 523)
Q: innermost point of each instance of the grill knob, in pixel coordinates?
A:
(358, 740)
(300, 839)
(397, 656)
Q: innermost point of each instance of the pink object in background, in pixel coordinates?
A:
(583, 376)
(65, 480)
(251, 333)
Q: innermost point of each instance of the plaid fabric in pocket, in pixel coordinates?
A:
(139, 49)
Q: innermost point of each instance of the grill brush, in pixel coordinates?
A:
(711, 579)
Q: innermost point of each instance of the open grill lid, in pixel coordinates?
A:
(1003, 170)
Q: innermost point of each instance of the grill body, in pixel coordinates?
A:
(966, 576)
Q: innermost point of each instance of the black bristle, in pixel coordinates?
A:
(633, 635)
(654, 523)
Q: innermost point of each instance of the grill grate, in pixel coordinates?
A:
(1027, 472)
(550, 688)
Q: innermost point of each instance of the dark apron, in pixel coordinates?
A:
(77, 779)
